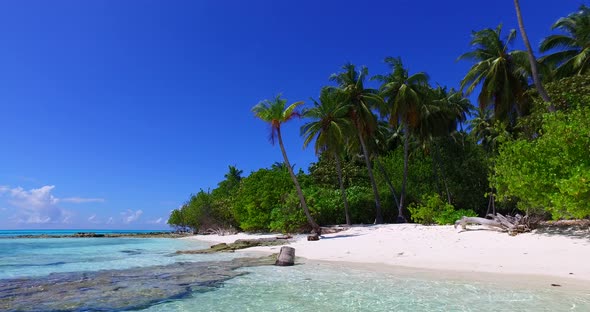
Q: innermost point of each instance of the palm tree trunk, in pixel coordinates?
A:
(342, 189)
(388, 181)
(532, 60)
(310, 219)
(400, 215)
(378, 213)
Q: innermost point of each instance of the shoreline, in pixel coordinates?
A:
(442, 250)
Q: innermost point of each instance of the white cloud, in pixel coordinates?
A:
(156, 221)
(130, 216)
(39, 205)
(94, 219)
(110, 220)
(36, 205)
(81, 200)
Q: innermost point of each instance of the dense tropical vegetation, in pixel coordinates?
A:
(395, 147)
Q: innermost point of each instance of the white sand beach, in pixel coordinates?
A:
(564, 257)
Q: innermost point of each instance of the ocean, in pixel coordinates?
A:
(145, 274)
(16, 233)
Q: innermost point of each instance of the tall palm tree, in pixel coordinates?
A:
(404, 99)
(276, 112)
(360, 101)
(573, 55)
(532, 59)
(329, 125)
(450, 108)
(501, 73)
(386, 139)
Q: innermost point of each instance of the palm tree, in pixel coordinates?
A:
(449, 109)
(234, 174)
(276, 112)
(386, 139)
(329, 126)
(502, 74)
(532, 59)
(459, 106)
(404, 95)
(360, 101)
(481, 127)
(573, 57)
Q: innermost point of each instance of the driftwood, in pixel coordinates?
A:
(513, 225)
(220, 231)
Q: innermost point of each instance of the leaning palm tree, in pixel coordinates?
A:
(573, 55)
(329, 125)
(404, 99)
(276, 112)
(361, 101)
(501, 73)
(532, 59)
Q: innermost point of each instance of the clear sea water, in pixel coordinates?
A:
(16, 233)
(307, 287)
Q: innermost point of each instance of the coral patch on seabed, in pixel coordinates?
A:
(113, 290)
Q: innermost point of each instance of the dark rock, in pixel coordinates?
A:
(116, 290)
(286, 256)
(238, 244)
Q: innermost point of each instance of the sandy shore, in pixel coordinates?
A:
(444, 248)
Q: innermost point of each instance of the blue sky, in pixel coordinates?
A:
(113, 112)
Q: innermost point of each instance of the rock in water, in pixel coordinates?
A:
(286, 256)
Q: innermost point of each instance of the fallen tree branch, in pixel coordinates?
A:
(513, 225)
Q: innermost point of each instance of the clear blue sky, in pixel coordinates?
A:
(113, 112)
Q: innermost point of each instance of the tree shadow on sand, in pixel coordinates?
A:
(579, 231)
(340, 236)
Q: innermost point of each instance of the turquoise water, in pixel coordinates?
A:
(16, 233)
(92, 269)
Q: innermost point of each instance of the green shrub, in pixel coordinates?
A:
(550, 172)
(259, 194)
(450, 216)
(433, 210)
(288, 217)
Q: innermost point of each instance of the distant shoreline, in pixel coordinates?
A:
(90, 234)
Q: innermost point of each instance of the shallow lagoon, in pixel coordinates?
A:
(213, 283)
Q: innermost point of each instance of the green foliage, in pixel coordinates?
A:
(259, 194)
(571, 46)
(552, 171)
(193, 214)
(502, 74)
(288, 217)
(178, 220)
(463, 168)
(419, 173)
(449, 216)
(362, 204)
(326, 204)
(323, 172)
(433, 210)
